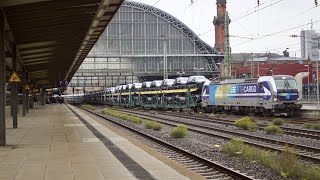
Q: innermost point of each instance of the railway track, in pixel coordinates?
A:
(307, 133)
(302, 120)
(296, 120)
(305, 152)
(205, 167)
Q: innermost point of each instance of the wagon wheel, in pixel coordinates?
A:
(267, 113)
(290, 114)
(195, 109)
(208, 109)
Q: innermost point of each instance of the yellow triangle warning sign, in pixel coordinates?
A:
(14, 78)
(27, 87)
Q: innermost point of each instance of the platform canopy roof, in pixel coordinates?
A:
(54, 36)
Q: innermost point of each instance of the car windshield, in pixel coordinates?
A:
(201, 78)
(185, 79)
(147, 84)
(137, 85)
(286, 84)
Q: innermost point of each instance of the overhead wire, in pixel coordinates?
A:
(271, 34)
(192, 3)
(243, 37)
(245, 15)
(259, 9)
(155, 3)
(285, 20)
(274, 34)
(307, 10)
(243, 27)
(281, 48)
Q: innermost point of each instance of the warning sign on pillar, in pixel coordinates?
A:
(14, 78)
(27, 87)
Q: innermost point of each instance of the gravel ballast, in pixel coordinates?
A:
(204, 146)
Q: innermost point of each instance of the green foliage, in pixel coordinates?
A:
(246, 123)
(200, 114)
(156, 126)
(288, 161)
(273, 129)
(286, 164)
(115, 107)
(237, 147)
(152, 125)
(133, 119)
(233, 147)
(315, 126)
(278, 121)
(212, 115)
(308, 125)
(147, 124)
(217, 115)
(87, 106)
(180, 131)
(221, 115)
(153, 112)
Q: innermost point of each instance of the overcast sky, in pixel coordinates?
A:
(279, 16)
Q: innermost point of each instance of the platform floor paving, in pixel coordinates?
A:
(51, 143)
(309, 107)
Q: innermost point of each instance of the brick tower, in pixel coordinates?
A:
(218, 22)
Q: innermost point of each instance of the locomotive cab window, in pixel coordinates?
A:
(286, 84)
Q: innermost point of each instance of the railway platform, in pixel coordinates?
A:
(53, 143)
(310, 107)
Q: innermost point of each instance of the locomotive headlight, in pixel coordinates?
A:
(275, 98)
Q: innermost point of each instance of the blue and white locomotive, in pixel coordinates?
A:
(269, 95)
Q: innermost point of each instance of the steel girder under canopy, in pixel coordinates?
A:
(54, 37)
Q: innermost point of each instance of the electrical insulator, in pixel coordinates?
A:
(316, 2)
(259, 2)
(294, 35)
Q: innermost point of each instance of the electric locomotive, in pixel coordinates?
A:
(269, 95)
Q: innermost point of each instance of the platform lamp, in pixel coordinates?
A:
(307, 65)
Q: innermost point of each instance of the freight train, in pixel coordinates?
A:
(267, 95)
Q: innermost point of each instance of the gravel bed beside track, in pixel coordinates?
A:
(283, 137)
(289, 122)
(203, 145)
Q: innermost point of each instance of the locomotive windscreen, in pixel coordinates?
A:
(286, 84)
